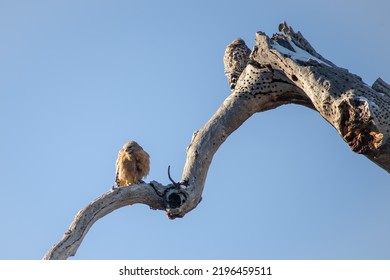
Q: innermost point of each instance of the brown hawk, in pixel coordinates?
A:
(132, 164)
(235, 60)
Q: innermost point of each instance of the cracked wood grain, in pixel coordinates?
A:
(283, 69)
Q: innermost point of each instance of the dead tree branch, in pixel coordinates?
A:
(155, 195)
(283, 69)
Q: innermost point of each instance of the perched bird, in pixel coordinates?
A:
(132, 164)
(235, 60)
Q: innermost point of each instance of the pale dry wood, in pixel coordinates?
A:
(381, 86)
(105, 204)
(284, 69)
(361, 114)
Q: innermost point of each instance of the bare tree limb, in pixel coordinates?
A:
(359, 113)
(155, 195)
(284, 69)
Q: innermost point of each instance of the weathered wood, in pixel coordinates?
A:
(359, 113)
(284, 69)
(380, 86)
(152, 195)
(258, 89)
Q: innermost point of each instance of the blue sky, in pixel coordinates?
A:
(78, 79)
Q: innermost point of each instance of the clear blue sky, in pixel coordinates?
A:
(78, 79)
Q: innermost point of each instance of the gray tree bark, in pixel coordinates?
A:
(283, 69)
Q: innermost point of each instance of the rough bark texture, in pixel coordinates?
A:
(361, 114)
(285, 69)
(281, 70)
(151, 194)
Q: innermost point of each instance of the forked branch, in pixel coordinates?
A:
(283, 69)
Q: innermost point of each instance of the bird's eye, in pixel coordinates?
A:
(129, 148)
